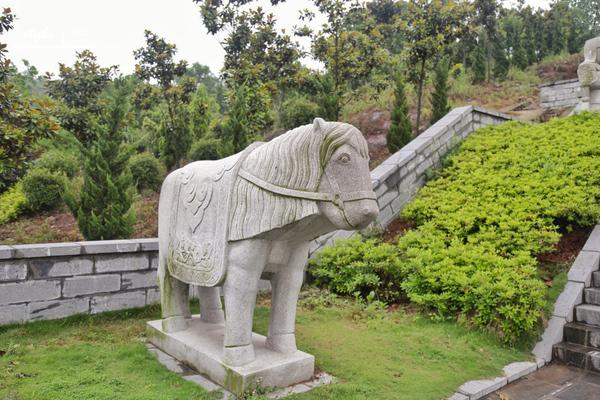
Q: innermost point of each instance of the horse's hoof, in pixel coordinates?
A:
(174, 324)
(238, 355)
(213, 316)
(285, 343)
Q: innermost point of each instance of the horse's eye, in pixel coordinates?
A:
(344, 158)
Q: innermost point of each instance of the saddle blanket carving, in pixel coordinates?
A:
(199, 223)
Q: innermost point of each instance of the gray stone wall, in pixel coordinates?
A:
(398, 178)
(560, 94)
(48, 281)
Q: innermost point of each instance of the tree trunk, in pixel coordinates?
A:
(420, 94)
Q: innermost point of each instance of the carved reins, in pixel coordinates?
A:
(337, 198)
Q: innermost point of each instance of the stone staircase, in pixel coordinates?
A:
(581, 345)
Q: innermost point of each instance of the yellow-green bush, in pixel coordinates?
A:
(498, 202)
(12, 203)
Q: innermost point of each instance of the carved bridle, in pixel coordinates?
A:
(335, 197)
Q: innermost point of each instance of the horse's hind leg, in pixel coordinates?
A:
(211, 308)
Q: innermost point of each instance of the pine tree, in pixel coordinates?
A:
(400, 132)
(501, 62)
(519, 56)
(104, 207)
(439, 98)
(479, 62)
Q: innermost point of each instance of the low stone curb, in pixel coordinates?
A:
(579, 277)
(193, 376)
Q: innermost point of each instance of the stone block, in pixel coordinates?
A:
(387, 198)
(152, 296)
(109, 246)
(58, 308)
(400, 201)
(479, 388)
(15, 314)
(118, 301)
(386, 215)
(136, 280)
(552, 335)
(204, 383)
(148, 244)
(5, 252)
(30, 250)
(81, 285)
(458, 396)
(593, 242)
(380, 189)
(382, 172)
(154, 261)
(201, 346)
(20, 292)
(63, 249)
(592, 296)
(13, 270)
(400, 158)
(118, 263)
(53, 267)
(588, 313)
(583, 267)
(418, 144)
(571, 296)
(518, 370)
(424, 166)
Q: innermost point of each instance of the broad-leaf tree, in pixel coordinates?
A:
(156, 63)
(430, 26)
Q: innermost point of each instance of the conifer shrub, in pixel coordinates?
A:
(439, 97)
(147, 171)
(400, 132)
(500, 201)
(43, 189)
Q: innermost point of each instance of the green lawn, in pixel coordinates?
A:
(390, 356)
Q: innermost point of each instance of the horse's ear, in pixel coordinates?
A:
(318, 124)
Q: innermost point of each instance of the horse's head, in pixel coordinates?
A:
(345, 176)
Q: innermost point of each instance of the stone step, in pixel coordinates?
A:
(583, 357)
(596, 279)
(588, 313)
(582, 334)
(592, 296)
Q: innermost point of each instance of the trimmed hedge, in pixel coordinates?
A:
(43, 189)
(497, 203)
(12, 203)
(147, 171)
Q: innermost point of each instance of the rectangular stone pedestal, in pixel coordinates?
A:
(201, 346)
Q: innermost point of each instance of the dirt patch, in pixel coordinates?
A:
(397, 228)
(569, 245)
(561, 70)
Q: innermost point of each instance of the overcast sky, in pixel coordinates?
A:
(51, 31)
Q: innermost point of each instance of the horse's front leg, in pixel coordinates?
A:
(286, 284)
(247, 260)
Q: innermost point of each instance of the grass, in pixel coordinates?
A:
(393, 355)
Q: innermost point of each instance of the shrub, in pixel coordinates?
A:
(298, 110)
(12, 203)
(57, 161)
(147, 171)
(43, 189)
(355, 266)
(494, 207)
(206, 149)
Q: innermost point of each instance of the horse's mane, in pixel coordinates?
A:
(294, 160)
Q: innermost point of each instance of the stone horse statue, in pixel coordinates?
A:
(229, 222)
(588, 73)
